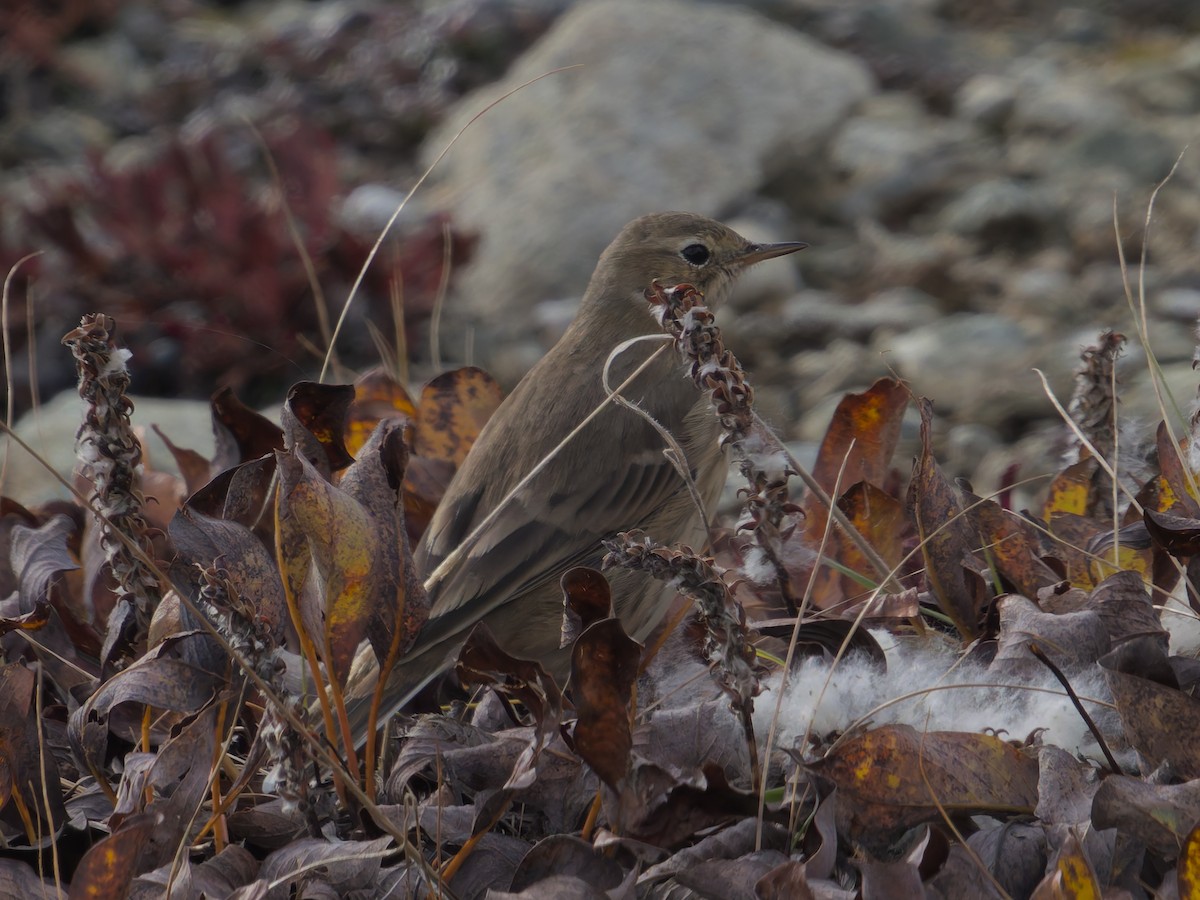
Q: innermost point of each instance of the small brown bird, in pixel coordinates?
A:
(611, 477)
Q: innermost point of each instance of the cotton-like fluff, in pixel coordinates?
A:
(927, 687)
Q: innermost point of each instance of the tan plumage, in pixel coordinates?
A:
(611, 477)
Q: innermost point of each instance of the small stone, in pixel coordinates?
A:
(986, 101)
(1000, 210)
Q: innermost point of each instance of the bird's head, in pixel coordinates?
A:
(673, 248)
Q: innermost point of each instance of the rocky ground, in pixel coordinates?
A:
(956, 168)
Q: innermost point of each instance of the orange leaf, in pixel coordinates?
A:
(863, 436)
(454, 408)
(377, 396)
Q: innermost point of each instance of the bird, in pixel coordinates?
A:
(491, 557)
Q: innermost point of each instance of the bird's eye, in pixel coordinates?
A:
(696, 254)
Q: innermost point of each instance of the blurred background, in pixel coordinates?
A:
(214, 174)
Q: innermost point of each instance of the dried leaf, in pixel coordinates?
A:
(587, 598)
(1160, 815)
(454, 408)
(377, 396)
(1072, 876)
(108, 868)
(888, 779)
(604, 663)
(861, 439)
(318, 521)
(241, 433)
(1188, 868)
(1160, 720)
(1012, 543)
(946, 539)
(314, 424)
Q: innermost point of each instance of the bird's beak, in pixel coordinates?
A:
(756, 253)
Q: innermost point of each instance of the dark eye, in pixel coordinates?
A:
(696, 254)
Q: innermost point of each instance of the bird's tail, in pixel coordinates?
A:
(408, 677)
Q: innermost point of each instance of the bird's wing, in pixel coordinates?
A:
(543, 531)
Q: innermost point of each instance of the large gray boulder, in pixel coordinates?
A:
(676, 106)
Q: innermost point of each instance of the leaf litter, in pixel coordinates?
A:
(164, 730)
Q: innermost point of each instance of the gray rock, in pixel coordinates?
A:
(999, 210)
(50, 431)
(1139, 150)
(897, 309)
(1179, 304)
(369, 207)
(986, 101)
(891, 132)
(975, 367)
(696, 122)
(1052, 101)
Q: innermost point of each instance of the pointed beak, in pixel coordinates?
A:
(756, 253)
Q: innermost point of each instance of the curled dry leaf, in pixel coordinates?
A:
(241, 433)
(946, 540)
(161, 683)
(1072, 640)
(377, 396)
(1160, 815)
(314, 424)
(587, 598)
(353, 535)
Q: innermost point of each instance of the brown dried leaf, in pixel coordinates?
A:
(1178, 535)
(314, 424)
(1071, 640)
(162, 683)
(1072, 876)
(1160, 720)
(1071, 490)
(1012, 543)
(604, 663)
(454, 408)
(245, 494)
(1188, 868)
(1174, 493)
(888, 779)
(233, 548)
(23, 767)
(946, 539)
(318, 521)
(587, 599)
(1127, 611)
(567, 855)
(1160, 815)
(241, 433)
(108, 868)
